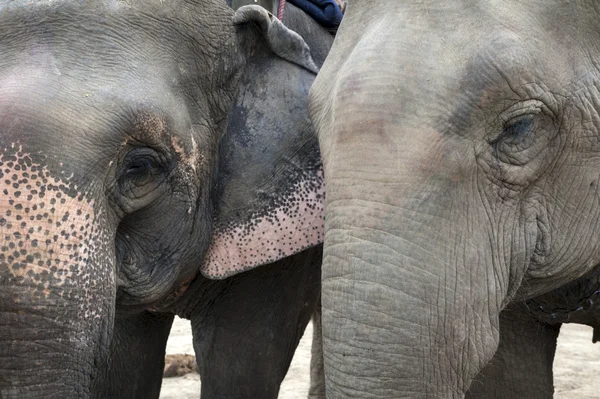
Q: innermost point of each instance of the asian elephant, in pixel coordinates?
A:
(460, 145)
(148, 150)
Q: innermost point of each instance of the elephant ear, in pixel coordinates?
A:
(284, 42)
(269, 189)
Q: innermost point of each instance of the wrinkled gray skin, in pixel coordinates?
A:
(317, 372)
(135, 139)
(461, 157)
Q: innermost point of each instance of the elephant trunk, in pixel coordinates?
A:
(40, 357)
(56, 285)
(411, 294)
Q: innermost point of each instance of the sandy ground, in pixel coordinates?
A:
(576, 368)
(577, 364)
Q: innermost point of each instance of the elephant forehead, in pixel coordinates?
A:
(49, 229)
(95, 120)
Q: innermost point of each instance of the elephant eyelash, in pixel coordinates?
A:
(139, 166)
(142, 170)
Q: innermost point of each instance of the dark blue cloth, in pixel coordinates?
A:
(325, 12)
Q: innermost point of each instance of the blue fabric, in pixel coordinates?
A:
(325, 12)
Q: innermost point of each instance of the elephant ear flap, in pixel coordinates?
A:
(283, 41)
(269, 191)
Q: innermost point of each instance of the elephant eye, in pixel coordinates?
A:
(141, 166)
(517, 141)
(141, 178)
(524, 132)
(516, 132)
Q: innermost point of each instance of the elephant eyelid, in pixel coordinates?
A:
(521, 109)
(141, 164)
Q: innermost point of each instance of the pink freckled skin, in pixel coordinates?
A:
(282, 233)
(47, 236)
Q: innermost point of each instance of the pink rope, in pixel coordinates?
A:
(280, 10)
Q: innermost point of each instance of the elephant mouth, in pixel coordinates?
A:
(564, 314)
(173, 297)
(164, 304)
(147, 285)
(576, 302)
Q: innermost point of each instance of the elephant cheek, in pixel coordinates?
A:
(56, 284)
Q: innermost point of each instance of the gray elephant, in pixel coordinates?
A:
(461, 158)
(146, 146)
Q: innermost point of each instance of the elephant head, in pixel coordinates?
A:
(461, 158)
(141, 143)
